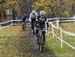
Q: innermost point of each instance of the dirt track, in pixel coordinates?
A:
(28, 48)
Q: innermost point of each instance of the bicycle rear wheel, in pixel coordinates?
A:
(24, 26)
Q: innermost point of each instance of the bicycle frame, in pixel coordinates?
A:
(41, 40)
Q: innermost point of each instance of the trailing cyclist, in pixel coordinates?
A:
(42, 19)
(24, 17)
(33, 16)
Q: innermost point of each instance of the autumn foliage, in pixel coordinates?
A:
(57, 8)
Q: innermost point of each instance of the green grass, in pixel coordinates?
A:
(54, 43)
(9, 38)
(69, 27)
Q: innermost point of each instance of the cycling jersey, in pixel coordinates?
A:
(41, 21)
(24, 18)
(33, 16)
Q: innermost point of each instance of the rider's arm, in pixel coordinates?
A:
(46, 22)
(30, 17)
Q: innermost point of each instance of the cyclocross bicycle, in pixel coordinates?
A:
(40, 37)
(41, 33)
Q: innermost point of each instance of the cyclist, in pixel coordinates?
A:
(33, 16)
(42, 19)
(24, 17)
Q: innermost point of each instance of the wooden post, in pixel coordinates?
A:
(52, 29)
(58, 23)
(61, 35)
(0, 28)
(0, 24)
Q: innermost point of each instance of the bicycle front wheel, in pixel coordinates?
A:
(41, 43)
(41, 48)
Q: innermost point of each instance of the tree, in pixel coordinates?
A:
(42, 3)
(57, 8)
(2, 12)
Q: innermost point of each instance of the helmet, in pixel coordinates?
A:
(33, 11)
(42, 12)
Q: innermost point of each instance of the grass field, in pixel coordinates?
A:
(9, 38)
(13, 45)
(54, 44)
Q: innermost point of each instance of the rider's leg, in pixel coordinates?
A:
(22, 25)
(37, 40)
(25, 25)
(43, 37)
(36, 32)
(32, 25)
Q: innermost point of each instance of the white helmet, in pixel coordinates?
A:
(33, 11)
(42, 12)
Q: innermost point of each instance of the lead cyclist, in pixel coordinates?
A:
(42, 25)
